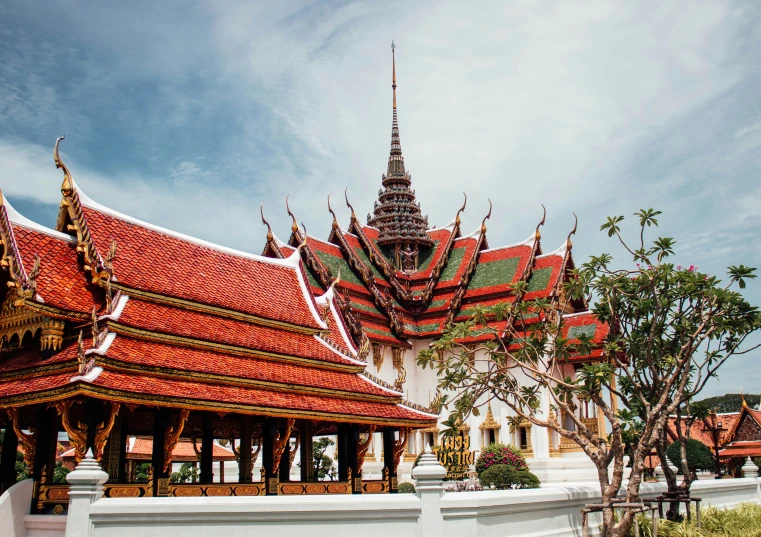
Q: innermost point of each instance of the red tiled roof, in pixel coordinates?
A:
(540, 285)
(167, 356)
(460, 255)
(498, 269)
(28, 357)
(161, 262)
(61, 282)
(741, 449)
(585, 323)
(191, 324)
(295, 404)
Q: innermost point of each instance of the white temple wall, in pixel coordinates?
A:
(520, 513)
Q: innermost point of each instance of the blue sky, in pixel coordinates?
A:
(190, 114)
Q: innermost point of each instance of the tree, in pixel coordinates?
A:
(730, 402)
(141, 472)
(323, 465)
(671, 330)
(699, 456)
(188, 473)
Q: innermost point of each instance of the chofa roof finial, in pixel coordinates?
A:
(330, 209)
(483, 222)
(568, 243)
(537, 234)
(294, 224)
(270, 235)
(66, 186)
(346, 196)
(464, 203)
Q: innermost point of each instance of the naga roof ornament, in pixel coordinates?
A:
(397, 214)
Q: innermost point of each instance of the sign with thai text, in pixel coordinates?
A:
(455, 455)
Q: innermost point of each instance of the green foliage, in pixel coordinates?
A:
(141, 472)
(741, 521)
(730, 402)
(22, 470)
(406, 488)
(323, 465)
(188, 473)
(699, 456)
(500, 454)
(504, 477)
(59, 474)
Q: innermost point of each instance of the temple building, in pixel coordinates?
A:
(402, 282)
(130, 340)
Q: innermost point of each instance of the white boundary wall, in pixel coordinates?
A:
(547, 512)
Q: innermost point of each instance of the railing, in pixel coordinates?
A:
(217, 489)
(128, 490)
(314, 488)
(380, 486)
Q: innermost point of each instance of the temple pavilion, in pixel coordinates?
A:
(114, 329)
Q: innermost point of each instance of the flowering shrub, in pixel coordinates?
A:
(503, 477)
(500, 454)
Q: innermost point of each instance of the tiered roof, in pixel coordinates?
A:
(454, 274)
(178, 321)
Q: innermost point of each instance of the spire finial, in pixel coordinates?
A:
(393, 70)
(66, 186)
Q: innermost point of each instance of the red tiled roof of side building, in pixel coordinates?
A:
(698, 431)
(61, 282)
(242, 369)
(741, 449)
(163, 262)
(142, 448)
(15, 387)
(216, 395)
(191, 324)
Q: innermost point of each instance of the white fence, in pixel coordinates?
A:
(548, 512)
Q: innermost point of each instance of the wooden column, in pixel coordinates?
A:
(123, 477)
(47, 440)
(307, 454)
(207, 450)
(161, 422)
(285, 463)
(8, 458)
(342, 447)
(246, 444)
(352, 461)
(269, 430)
(389, 465)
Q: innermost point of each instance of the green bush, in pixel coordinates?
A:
(699, 456)
(406, 488)
(504, 477)
(495, 454)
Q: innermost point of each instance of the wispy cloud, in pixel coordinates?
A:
(189, 117)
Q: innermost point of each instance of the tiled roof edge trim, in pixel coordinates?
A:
(91, 376)
(329, 298)
(118, 310)
(336, 351)
(372, 379)
(19, 219)
(408, 405)
(528, 242)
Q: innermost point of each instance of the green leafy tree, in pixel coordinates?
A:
(22, 470)
(505, 477)
(188, 473)
(59, 473)
(731, 402)
(323, 464)
(141, 472)
(672, 328)
(699, 456)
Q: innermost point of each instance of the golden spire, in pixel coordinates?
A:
(393, 71)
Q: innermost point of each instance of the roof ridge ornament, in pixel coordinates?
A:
(270, 235)
(464, 203)
(568, 243)
(67, 185)
(335, 219)
(294, 223)
(346, 196)
(483, 222)
(537, 234)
